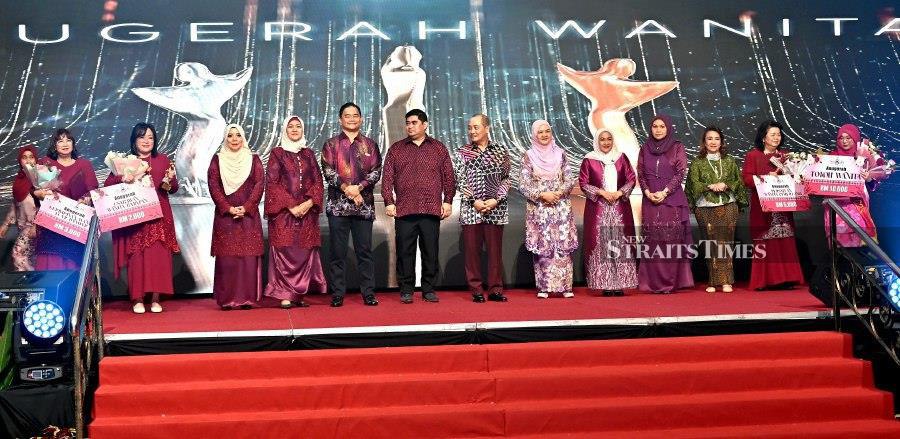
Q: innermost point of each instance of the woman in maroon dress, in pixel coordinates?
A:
(146, 248)
(294, 193)
(52, 250)
(236, 182)
(772, 231)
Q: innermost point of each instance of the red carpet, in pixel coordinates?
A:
(202, 315)
(772, 385)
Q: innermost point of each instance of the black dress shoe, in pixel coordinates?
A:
(406, 298)
(430, 297)
(608, 293)
(302, 304)
(478, 297)
(337, 301)
(369, 300)
(620, 293)
(226, 307)
(245, 307)
(496, 297)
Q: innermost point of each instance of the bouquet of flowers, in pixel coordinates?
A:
(793, 163)
(868, 152)
(121, 164)
(43, 177)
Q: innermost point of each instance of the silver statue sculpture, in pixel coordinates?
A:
(404, 82)
(198, 99)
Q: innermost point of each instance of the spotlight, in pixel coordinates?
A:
(44, 320)
(894, 294)
(43, 303)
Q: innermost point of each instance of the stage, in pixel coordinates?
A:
(198, 325)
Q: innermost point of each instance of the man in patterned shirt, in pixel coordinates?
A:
(484, 182)
(351, 166)
(418, 190)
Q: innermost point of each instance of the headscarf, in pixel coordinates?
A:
(545, 159)
(608, 158)
(610, 173)
(234, 166)
(853, 131)
(290, 145)
(22, 183)
(661, 146)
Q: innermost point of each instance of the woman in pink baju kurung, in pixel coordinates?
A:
(873, 170)
(146, 249)
(293, 202)
(236, 181)
(77, 179)
(607, 179)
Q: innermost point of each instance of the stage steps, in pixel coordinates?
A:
(770, 385)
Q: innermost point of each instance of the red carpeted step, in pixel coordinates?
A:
(459, 421)
(157, 369)
(696, 411)
(669, 350)
(681, 378)
(876, 429)
(291, 394)
(467, 387)
(534, 417)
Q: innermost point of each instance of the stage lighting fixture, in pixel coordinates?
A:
(893, 295)
(44, 320)
(43, 303)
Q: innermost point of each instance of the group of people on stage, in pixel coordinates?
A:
(418, 184)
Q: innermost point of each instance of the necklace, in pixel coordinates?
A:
(718, 171)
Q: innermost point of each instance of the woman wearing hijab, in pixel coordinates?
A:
(147, 248)
(716, 194)
(22, 211)
(607, 180)
(550, 234)
(236, 181)
(77, 179)
(771, 231)
(665, 224)
(293, 202)
(848, 140)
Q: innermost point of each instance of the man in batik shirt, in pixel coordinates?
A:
(351, 165)
(484, 182)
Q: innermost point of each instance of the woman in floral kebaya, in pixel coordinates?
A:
(550, 234)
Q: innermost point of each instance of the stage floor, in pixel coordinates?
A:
(201, 318)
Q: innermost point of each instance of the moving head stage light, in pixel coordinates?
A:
(43, 303)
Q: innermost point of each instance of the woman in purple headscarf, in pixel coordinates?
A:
(873, 170)
(665, 226)
(546, 183)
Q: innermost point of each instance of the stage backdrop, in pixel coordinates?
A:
(190, 67)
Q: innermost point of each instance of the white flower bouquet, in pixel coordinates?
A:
(122, 164)
(43, 177)
(867, 151)
(793, 163)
